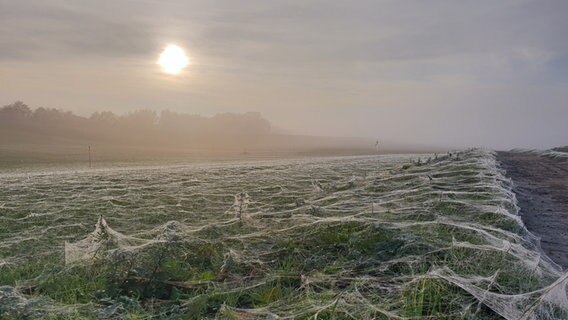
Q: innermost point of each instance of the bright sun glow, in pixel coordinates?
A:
(173, 59)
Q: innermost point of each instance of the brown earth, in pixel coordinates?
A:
(541, 187)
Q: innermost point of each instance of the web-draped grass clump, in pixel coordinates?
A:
(337, 238)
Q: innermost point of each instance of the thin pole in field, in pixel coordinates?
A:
(378, 159)
(90, 157)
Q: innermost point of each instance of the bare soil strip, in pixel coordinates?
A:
(541, 186)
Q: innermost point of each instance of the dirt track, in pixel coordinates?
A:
(541, 186)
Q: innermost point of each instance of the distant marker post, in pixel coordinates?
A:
(378, 160)
(90, 157)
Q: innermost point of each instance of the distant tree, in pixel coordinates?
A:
(141, 118)
(106, 117)
(169, 118)
(45, 114)
(142, 126)
(16, 111)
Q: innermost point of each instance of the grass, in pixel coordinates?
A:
(290, 251)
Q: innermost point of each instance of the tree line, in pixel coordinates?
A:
(141, 126)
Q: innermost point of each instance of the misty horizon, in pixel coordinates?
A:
(164, 117)
(41, 135)
(172, 127)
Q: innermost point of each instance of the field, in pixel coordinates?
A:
(387, 237)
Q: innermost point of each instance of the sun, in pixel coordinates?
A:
(173, 59)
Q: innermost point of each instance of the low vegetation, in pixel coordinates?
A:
(335, 239)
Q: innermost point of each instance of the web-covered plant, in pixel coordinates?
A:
(340, 238)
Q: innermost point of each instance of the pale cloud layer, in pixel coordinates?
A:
(442, 72)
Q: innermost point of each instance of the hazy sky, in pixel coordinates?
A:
(452, 73)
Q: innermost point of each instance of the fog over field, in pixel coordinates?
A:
(47, 135)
